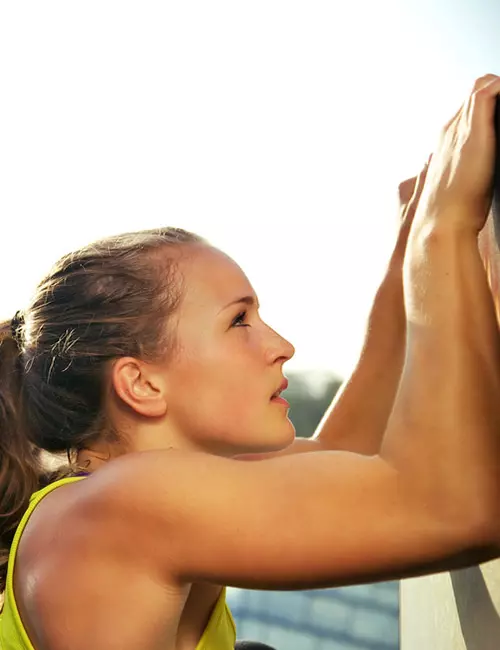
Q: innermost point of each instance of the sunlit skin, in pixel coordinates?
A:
(134, 556)
(214, 392)
(229, 363)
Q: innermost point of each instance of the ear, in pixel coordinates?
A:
(140, 386)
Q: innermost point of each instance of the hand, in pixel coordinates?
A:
(409, 192)
(458, 188)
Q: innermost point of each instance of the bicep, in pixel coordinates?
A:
(310, 520)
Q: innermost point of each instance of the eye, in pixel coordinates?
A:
(239, 321)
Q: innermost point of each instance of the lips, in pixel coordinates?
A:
(283, 387)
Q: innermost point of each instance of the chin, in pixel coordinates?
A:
(279, 439)
(270, 438)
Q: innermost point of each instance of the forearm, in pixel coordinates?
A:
(448, 401)
(357, 418)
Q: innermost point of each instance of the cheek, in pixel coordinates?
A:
(222, 415)
(217, 394)
(228, 401)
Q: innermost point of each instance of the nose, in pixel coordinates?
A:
(279, 349)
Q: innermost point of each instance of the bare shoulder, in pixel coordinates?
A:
(74, 565)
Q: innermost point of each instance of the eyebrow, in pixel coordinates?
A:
(245, 300)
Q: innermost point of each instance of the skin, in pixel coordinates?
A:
(406, 485)
(375, 377)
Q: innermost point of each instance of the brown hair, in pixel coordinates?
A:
(107, 300)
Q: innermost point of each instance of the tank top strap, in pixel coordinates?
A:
(10, 609)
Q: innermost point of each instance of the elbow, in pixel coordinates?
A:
(486, 527)
(464, 521)
(477, 525)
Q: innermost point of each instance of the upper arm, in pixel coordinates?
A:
(294, 522)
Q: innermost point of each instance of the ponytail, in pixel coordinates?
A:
(19, 459)
(108, 300)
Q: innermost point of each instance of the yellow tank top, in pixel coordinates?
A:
(220, 633)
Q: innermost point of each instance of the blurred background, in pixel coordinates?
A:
(279, 130)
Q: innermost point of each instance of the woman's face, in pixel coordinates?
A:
(228, 363)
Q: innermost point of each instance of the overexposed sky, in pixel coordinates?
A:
(277, 129)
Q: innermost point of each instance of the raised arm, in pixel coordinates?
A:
(357, 418)
(428, 500)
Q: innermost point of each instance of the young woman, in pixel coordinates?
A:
(144, 358)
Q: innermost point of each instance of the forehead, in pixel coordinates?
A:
(211, 279)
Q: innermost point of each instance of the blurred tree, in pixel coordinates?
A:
(309, 400)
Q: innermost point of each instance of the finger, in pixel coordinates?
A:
(419, 186)
(455, 118)
(407, 188)
(482, 103)
(463, 111)
(408, 210)
(483, 81)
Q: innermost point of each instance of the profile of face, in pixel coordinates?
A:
(228, 363)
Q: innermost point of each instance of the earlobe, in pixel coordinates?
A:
(139, 387)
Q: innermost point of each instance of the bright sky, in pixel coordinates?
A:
(277, 129)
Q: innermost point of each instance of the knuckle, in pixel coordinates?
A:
(406, 189)
(406, 185)
(481, 94)
(483, 81)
